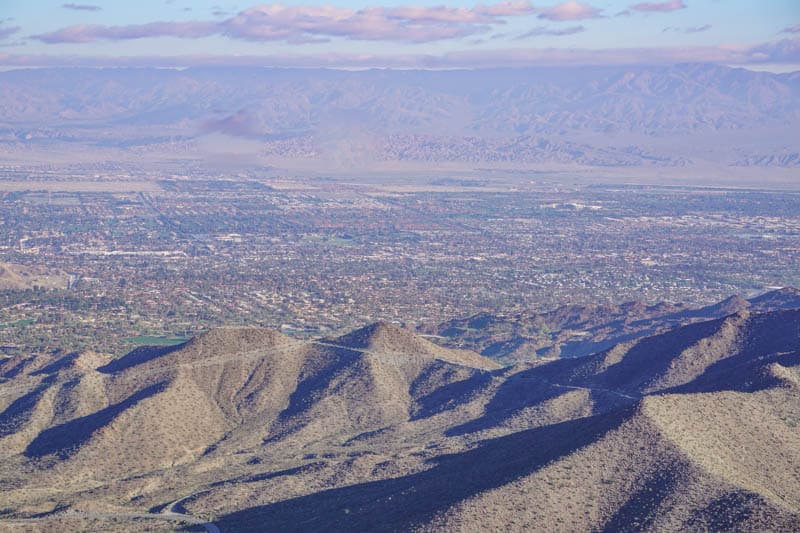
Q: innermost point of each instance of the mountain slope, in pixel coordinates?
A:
(571, 331)
(658, 116)
(379, 429)
(243, 385)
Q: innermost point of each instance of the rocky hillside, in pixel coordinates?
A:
(572, 331)
(16, 277)
(379, 429)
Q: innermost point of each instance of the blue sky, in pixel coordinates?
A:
(763, 34)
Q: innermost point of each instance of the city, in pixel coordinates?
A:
(314, 256)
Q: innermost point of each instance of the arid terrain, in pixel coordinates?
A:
(575, 330)
(685, 427)
(502, 266)
(18, 277)
(697, 120)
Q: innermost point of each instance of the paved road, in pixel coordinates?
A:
(595, 389)
(598, 389)
(384, 353)
(168, 515)
(176, 509)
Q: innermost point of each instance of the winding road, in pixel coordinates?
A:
(169, 514)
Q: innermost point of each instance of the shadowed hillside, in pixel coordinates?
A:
(691, 428)
(573, 331)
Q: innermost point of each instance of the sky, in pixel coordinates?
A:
(415, 34)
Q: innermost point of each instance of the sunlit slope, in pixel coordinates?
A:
(379, 429)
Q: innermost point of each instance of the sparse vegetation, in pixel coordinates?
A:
(246, 426)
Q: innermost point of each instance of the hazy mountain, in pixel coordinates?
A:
(607, 116)
(379, 429)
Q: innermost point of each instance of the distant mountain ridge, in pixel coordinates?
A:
(572, 331)
(597, 116)
(691, 427)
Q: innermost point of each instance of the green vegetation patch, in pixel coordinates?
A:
(18, 324)
(334, 241)
(146, 340)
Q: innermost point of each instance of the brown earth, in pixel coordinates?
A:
(695, 428)
(13, 276)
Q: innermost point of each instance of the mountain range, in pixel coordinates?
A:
(686, 427)
(576, 330)
(660, 116)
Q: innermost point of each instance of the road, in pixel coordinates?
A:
(596, 389)
(169, 514)
(177, 510)
(384, 353)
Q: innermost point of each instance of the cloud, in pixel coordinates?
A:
(659, 7)
(556, 32)
(783, 52)
(406, 24)
(571, 10)
(81, 7)
(7, 32)
(303, 24)
(792, 29)
(433, 14)
(690, 29)
(505, 9)
(697, 29)
(219, 11)
(89, 33)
